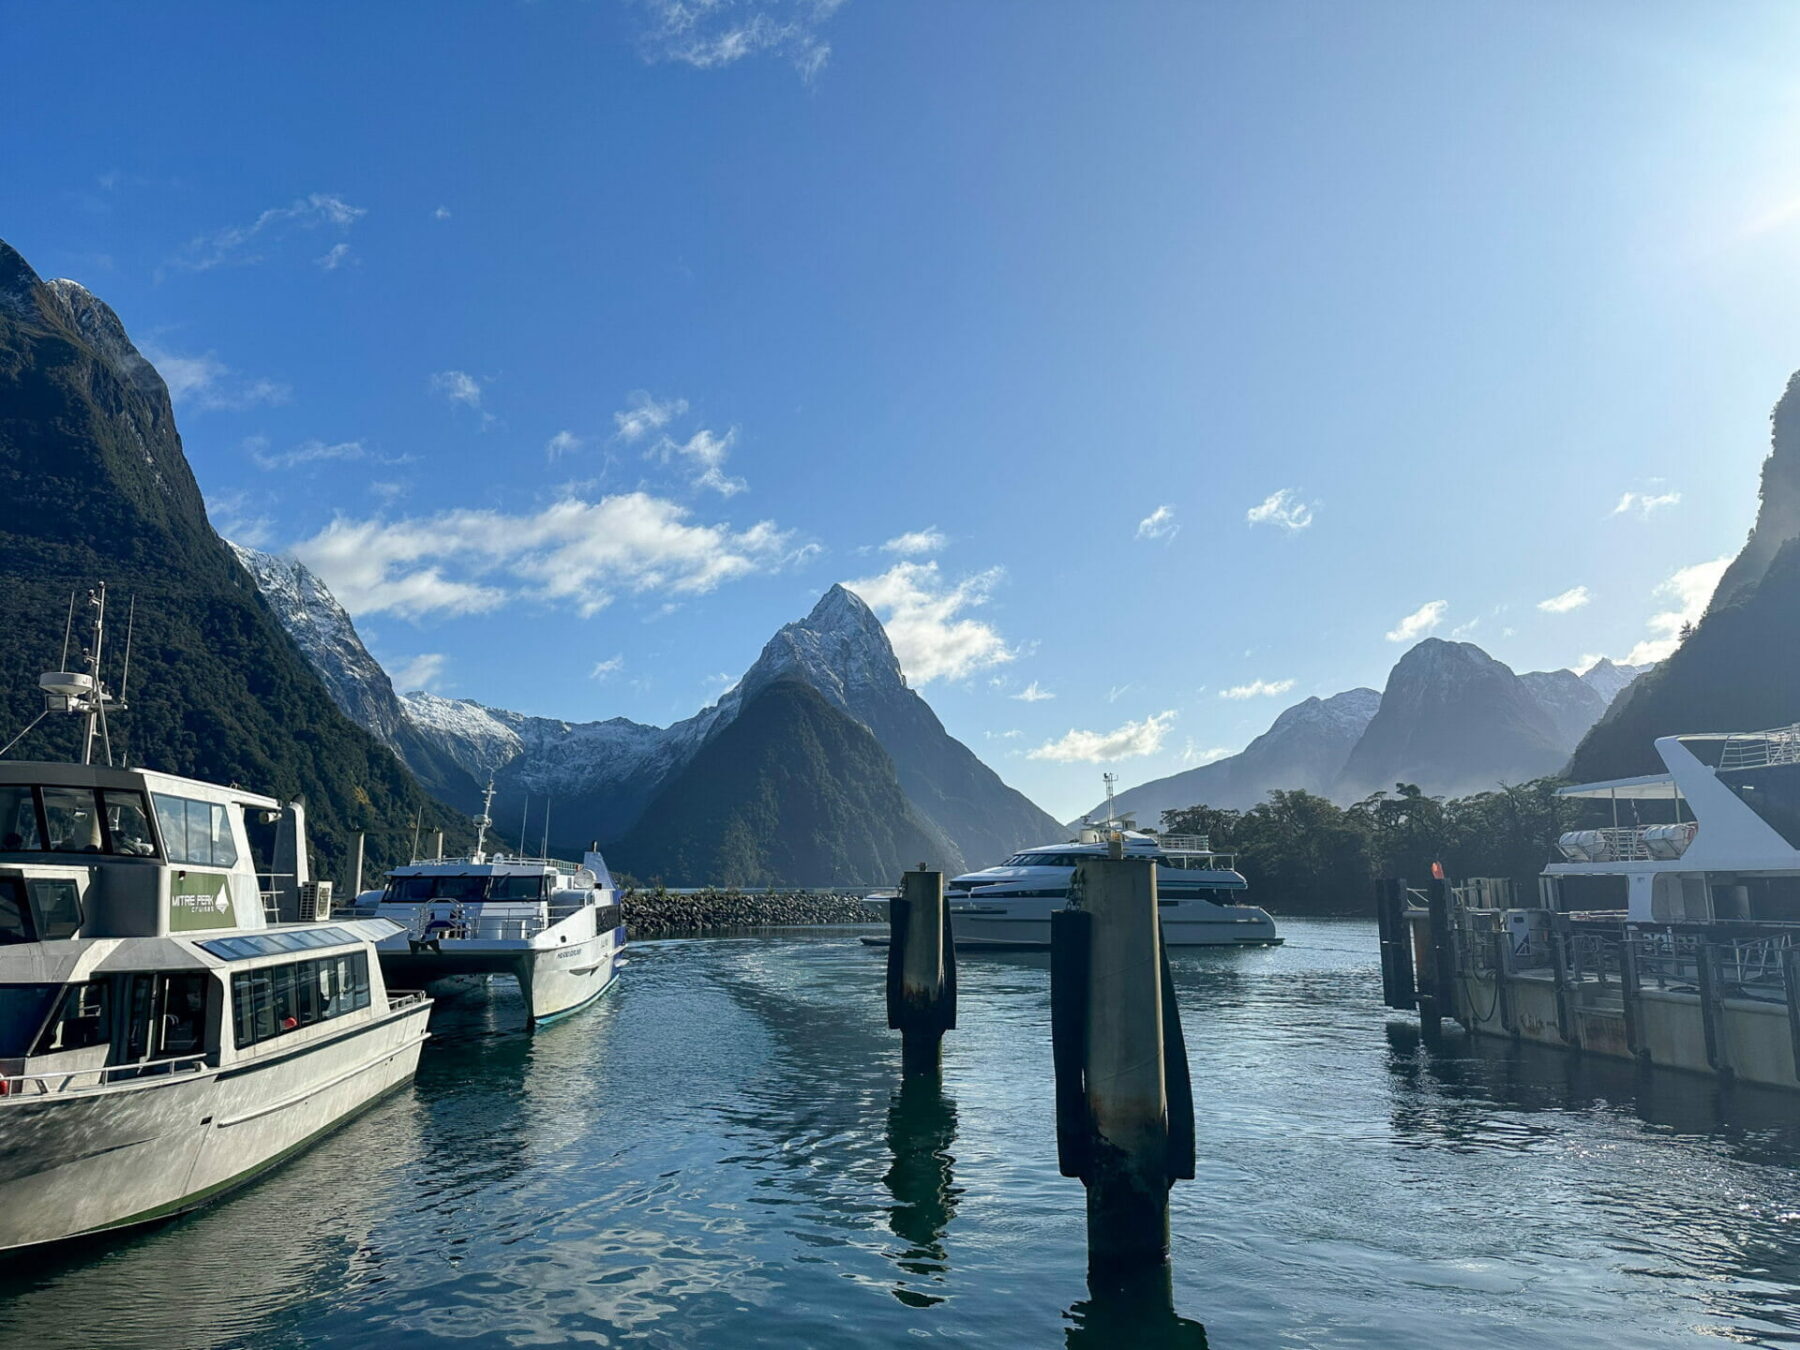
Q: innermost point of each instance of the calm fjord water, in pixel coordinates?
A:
(717, 1156)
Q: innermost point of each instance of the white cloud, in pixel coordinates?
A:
(307, 452)
(204, 383)
(459, 387)
(1094, 747)
(1463, 630)
(646, 414)
(442, 213)
(1257, 689)
(1033, 693)
(1193, 753)
(928, 540)
(573, 552)
(1159, 524)
(1281, 508)
(235, 517)
(334, 257)
(706, 454)
(611, 666)
(1691, 588)
(923, 618)
(1422, 620)
(419, 672)
(709, 34)
(1572, 599)
(1644, 503)
(238, 245)
(563, 443)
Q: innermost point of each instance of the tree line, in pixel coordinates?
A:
(1304, 854)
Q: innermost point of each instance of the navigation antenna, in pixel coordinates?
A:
(82, 692)
(1112, 816)
(482, 821)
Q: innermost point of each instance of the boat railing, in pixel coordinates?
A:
(461, 926)
(1761, 749)
(405, 998)
(87, 1080)
(1185, 843)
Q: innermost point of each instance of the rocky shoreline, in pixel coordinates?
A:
(659, 913)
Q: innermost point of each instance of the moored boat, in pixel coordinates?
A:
(169, 1026)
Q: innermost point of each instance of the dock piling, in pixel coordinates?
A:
(1125, 1122)
(921, 974)
(1397, 986)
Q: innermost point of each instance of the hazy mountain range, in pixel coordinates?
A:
(1452, 719)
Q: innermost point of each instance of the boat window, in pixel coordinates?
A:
(196, 832)
(127, 823)
(81, 1019)
(517, 888)
(410, 889)
(18, 820)
(58, 905)
(271, 1002)
(460, 888)
(73, 822)
(15, 919)
(23, 1008)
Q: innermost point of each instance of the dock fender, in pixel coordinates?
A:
(1178, 1083)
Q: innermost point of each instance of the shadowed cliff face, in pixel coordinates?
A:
(1736, 671)
(96, 488)
(1778, 516)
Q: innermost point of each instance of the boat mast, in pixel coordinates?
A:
(1112, 815)
(482, 821)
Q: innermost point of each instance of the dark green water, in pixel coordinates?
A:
(716, 1156)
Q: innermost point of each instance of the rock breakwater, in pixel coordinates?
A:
(659, 913)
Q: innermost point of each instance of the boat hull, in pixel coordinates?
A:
(87, 1161)
(555, 978)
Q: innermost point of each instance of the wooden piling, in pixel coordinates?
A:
(1124, 1103)
(1707, 981)
(1631, 1000)
(1397, 987)
(1559, 971)
(921, 975)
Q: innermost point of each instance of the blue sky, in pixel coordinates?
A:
(1153, 366)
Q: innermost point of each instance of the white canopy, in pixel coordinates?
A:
(1650, 787)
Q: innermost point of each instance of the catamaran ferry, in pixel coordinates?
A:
(169, 1025)
(554, 927)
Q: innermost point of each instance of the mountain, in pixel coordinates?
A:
(1305, 748)
(1452, 720)
(599, 777)
(789, 791)
(1572, 704)
(841, 650)
(96, 488)
(1609, 679)
(1735, 671)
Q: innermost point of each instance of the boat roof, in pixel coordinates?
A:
(1646, 787)
(496, 866)
(50, 773)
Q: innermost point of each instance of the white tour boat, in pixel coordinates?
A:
(553, 926)
(169, 1028)
(1199, 893)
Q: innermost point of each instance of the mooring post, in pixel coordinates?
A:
(921, 976)
(1125, 1122)
(1397, 987)
(1631, 999)
(1434, 970)
(356, 866)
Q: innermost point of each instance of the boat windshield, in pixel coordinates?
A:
(74, 820)
(466, 889)
(23, 1008)
(1045, 859)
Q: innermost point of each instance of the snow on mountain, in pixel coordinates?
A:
(1608, 678)
(327, 638)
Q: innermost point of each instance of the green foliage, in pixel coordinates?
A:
(95, 487)
(1304, 854)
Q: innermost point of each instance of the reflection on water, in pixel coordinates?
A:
(921, 1129)
(1136, 1310)
(722, 1153)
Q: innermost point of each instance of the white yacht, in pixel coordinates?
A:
(169, 1026)
(1199, 893)
(555, 927)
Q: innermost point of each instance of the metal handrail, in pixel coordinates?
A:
(55, 1084)
(1762, 749)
